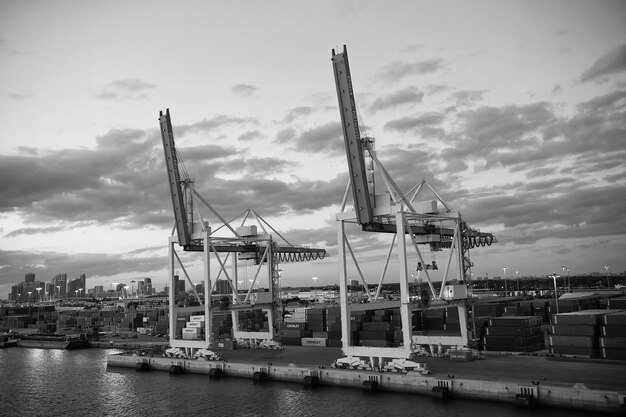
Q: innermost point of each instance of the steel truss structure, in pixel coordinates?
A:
(243, 245)
(400, 214)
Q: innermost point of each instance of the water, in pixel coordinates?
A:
(39, 382)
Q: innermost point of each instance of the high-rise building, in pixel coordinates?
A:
(77, 287)
(222, 287)
(179, 285)
(98, 291)
(60, 285)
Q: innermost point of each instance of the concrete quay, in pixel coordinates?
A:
(472, 380)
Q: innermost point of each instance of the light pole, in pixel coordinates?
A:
(29, 293)
(606, 268)
(58, 291)
(517, 279)
(315, 288)
(554, 276)
(76, 294)
(38, 296)
(80, 292)
(504, 269)
(569, 285)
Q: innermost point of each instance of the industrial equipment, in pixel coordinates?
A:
(255, 311)
(425, 222)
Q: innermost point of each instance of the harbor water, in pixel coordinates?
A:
(40, 382)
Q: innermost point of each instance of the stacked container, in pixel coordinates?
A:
(291, 333)
(613, 335)
(514, 334)
(194, 328)
(222, 326)
(576, 333)
(316, 322)
(253, 321)
(333, 326)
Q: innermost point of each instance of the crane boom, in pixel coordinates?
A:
(352, 139)
(173, 173)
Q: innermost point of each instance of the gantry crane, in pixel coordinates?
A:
(244, 243)
(401, 215)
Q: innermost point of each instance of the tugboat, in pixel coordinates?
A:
(6, 340)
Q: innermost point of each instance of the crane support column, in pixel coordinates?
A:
(404, 280)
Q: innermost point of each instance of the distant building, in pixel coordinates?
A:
(77, 287)
(98, 291)
(179, 285)
(29, 290)
(60, 285)
(222, 287)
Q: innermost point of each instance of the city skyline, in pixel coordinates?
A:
(513, 111)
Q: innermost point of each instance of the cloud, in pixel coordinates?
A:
(612, 62)
(397, 70)
(243, 90)
(19, 95)
(409, 95)
(297, 112)
(614, 99)
(18, 263)
(408, 124)
(130, 88)
(326, 138)
(251, 136)
(467, 97)
(214, 123)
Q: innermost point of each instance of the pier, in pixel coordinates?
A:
(519, 390)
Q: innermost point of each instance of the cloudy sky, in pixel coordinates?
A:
(513, 110)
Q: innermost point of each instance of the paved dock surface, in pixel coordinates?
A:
(595, 374)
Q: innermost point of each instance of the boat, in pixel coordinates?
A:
(53, 341)
(7, 341)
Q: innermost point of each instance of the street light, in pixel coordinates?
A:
(75, 293)
(58, 291)
(315, 287)
(554, 276)
(80, 291)
(517, 279)
(38, 296)
(606, 267)
(504, 269)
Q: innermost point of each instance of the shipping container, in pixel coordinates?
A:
(314, 341)
(588, 317)
(575, 330)
(573, 341)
